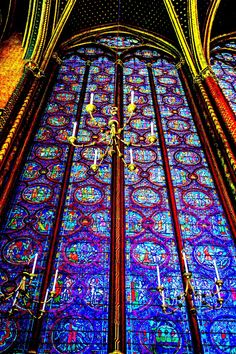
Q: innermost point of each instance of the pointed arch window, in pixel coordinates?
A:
(107, 231)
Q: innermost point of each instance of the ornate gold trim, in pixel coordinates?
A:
(58, 29)
(180, 35)
(208, 27)
(42, 34)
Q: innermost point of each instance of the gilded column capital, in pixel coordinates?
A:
(119, 62)
(56, 57)
(207, 72)
(34, 68)
(149, 65)
(180, 63)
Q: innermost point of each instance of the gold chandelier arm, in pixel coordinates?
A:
(72, 141)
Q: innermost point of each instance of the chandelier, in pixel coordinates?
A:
(112, 135)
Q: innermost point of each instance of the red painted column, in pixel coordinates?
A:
(228, 118)
(211, 154)
(117, 331)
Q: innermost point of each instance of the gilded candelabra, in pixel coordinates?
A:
(22, 294)
(113, 135)
(190, 291)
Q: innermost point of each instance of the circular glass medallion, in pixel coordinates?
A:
(173, 100)
(48, 152)
(197, 199)
(88, 195)
(57, 121)
(167, 80)
(178, 125)
(70, 222)
(37, 194)
(140, 123)
(146, 197)
(157, 175)
(187, 157)
(19, 251)
(204, 177)
(149, 253)
(189, 225)
(205, 254)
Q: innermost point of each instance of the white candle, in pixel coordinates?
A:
(91, 98)
(216, 269)
(17, 293)
(152, 128)
(95, 157)
(158, 276)
(74, 128)
(131, 156)
(55, 280)
(132, 97)
(45, 300)
(35, 261)
(185, 262)
(163, 298)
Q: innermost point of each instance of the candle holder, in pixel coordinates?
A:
(22, 294)
(209, 301)
(113, 136)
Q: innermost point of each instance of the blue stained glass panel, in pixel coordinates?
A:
(150, 239)
(83, 254)
(30, 220)
(199, 208)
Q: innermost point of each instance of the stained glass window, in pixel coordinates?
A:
(62, 210)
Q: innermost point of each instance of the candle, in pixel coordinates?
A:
(55, 280)
(91, 98)
(131, 156)
(216, 269)
(35, 261)
(158, 276)
(152, 128)
(185, 262)
(163, 298)
(95, 157)
(45, 300)
(14, 302)
(74, 128)
(132, 97)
